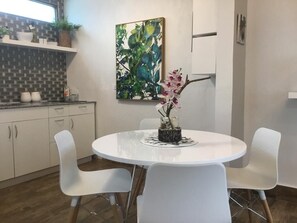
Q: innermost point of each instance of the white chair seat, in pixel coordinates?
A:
(101, 181)
(248, 179)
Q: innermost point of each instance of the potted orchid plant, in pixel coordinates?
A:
(173, 86)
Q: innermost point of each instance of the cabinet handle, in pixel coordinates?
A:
(83, 106)
(16, 131)
(72, 124)
(9, 132)
(61, 108)
(59, 120)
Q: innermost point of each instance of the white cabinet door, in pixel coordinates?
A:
(56, 125)
(6, 152)
(204, 16)
(82, 128)
(204, 55)
(31, 146)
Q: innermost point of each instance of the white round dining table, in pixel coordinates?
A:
(131, 147)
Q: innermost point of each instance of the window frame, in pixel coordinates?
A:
(54, 6)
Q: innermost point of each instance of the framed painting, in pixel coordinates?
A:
(139, 59)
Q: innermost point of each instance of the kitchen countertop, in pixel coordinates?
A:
(12, 105)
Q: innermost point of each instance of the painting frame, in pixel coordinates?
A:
(241, 29)
(140, 59)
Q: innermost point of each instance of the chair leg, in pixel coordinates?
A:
(265, 206)
(120, 202)
(138, 185)
(249, 197)
(129, 196)
(75, 203)
(118, 218)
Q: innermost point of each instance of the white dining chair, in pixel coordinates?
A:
(149, 123)
(184, 193)
(76, 183)
(146, 123)
(261, 173)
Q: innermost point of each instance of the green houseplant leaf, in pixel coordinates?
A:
(64, 25)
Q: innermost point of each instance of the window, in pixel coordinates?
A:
(29, 9)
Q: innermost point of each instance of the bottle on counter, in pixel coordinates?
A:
(66, 93)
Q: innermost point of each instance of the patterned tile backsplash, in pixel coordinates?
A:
(26, 69)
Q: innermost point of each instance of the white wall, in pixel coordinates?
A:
(271, 68)
(92, 70)
(224, 74)
(239, 60)
(271, 71)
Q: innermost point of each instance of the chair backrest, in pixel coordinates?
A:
(149, 123)
(264, 154)
(177, 194)
(69, 171)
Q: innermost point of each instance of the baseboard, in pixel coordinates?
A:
(31, 176)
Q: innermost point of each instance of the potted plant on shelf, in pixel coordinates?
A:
(4, 32)
(65, 29)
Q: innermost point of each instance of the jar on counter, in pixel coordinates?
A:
(35, 96)
(25, 97)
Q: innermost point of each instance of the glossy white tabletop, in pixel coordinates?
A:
(127, 147)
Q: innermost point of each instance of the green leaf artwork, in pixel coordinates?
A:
(139, 57)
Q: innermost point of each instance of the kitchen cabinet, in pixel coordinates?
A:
(31, 147)
(56, 125)
(82, 127)
(204, 37)
(6, 152)
(58, 121)
(25, 141)
(204, 55)
(205, 13)
(79, 119)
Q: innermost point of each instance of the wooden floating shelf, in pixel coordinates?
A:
(205, 74)
(204, 34)
(18, 43)
(292, 95)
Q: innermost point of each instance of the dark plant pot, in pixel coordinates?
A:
(170, 135)
(64, 39)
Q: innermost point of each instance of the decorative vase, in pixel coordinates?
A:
(169, 130)
(64, 38)
(170, 135)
